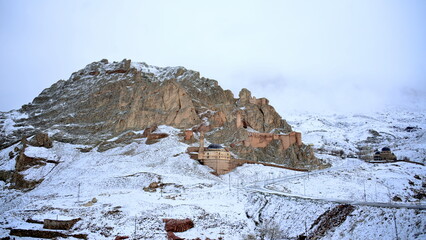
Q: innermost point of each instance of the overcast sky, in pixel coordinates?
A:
(324, 55)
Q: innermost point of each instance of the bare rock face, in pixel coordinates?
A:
(41, 140)
(104, 100)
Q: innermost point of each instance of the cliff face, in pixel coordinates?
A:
(105, 99)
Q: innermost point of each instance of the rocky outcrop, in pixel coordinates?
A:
(178, 225)
(155, 137)
(16, 177)
(328, 221)
(105, 100)
(60, 224)
(44, 234)
(41, 140)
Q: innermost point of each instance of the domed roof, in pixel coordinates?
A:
(385, 149)
(215, 146)
(377, 153)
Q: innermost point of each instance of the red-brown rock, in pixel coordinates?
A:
(188, 135)
(155, 136)
(178, 225)
(149, 130)
(121, 237)
(172, 236)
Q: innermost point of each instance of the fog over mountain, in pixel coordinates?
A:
(328, 56)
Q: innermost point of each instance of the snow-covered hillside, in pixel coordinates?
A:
(110, 190)
(361, 134)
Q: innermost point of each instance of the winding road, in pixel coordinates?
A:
(262, 186)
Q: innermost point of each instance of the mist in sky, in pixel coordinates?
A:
(332, 56)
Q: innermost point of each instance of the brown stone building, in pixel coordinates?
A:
(218, 158)
(215, 156)
(384, 155)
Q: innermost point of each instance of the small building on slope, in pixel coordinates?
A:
(385, 155)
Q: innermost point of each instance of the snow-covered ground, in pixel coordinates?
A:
(224, 207)
(360, 181)
(116, 178)
(401, 130)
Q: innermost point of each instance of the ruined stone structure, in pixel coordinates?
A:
(261, 140)
(260, 101)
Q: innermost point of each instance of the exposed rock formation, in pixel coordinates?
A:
(105, 99)
(178, 225)
(16, 177)
(41, 140)
(44, 234)
(59, 224)
(329, 220)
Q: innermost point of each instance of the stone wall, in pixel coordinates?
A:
(260, 101)
(209, 154)
(220, 166)
(262, 140)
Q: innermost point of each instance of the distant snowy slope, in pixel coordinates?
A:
(401, 130)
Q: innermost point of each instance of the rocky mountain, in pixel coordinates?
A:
(105, 99)
(91, 177)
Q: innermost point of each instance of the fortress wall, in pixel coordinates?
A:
(285, 141)
(261, 140)
(260, 101)
(298, 138)
(292, 138)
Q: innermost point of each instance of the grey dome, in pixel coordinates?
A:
(215, 146)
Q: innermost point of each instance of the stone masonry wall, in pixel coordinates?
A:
(262, 140)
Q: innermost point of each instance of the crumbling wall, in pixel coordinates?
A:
(260, 101)
(262, 140)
